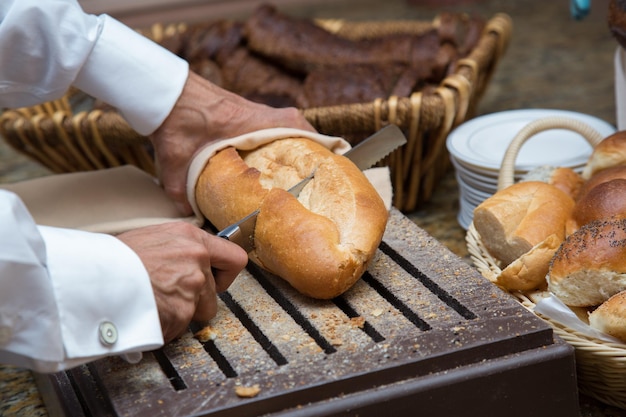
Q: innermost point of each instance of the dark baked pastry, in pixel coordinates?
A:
(617, 20)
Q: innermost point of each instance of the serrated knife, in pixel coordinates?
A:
(364, 155)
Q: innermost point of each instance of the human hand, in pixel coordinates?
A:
(188, 268)
(203, 114)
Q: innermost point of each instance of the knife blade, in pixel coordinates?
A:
(364, 155)
(242, 232)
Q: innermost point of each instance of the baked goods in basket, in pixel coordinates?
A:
(522, 226)
(284, 60)
(606, 200)
(563, 178)
(599, 359)
(610, 152)
(528, 272)
(590, 265)
(513, 220)
(607, 174)
(320, 242)
(610, 316)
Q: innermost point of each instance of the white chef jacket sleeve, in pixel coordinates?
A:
(68, 297)
(47, 46)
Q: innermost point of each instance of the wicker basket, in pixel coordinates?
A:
(601, 365)
(67, 135)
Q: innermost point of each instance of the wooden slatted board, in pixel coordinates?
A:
(421, 331)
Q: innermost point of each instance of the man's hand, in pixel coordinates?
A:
(188, 268)
(203, 114)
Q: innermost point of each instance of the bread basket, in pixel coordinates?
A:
(601, 365)
(68, 135)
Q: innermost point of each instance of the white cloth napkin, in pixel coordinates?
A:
(110, 201)
(553, 308)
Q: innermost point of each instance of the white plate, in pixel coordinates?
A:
(483, 141)
(467, 174)
(465, 214)
(488, 174)
(472, 189)
(477, 185)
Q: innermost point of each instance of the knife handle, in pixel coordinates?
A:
(230, 233)
(242, 232)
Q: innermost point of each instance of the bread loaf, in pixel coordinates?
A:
(528, 272)
(610, 316)
(608, 153)
(604, 201)
(513, 220)
(320, 242)
(608, 174)
(563, 178)
(590, 265)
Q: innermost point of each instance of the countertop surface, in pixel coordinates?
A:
(553, 61)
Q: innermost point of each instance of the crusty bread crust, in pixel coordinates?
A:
(528, 272)
(610, 316)
(604, 201)
(610, 152)
(612, 173)
(563, 178)
(513, 220)
(567, 180)
(320, 242)
(228, 189)
(590, 265)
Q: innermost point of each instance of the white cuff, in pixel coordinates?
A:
(139, 77)
(104, 295)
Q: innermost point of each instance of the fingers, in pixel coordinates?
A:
(187, 268)
(206, 308)
(174, 185)
(293, 118)
(227, 261)
(172, 171)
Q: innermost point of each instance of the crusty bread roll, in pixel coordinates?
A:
(563, 178)
(528, 272)
(513, 220)
(321, 242)
(610, 152)
(604, 201)
(590, 265)
(608, 174)
(610, 316)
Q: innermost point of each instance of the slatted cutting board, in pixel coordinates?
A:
(421, 331)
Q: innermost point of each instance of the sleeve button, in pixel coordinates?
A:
(108, 333)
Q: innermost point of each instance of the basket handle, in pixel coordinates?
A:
(506, 176)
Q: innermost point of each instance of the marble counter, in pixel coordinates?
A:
(19, 395)
(552, 62)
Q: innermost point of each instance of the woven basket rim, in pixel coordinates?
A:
(462, 82)
(427, 117)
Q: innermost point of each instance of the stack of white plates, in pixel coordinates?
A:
(477, 148)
